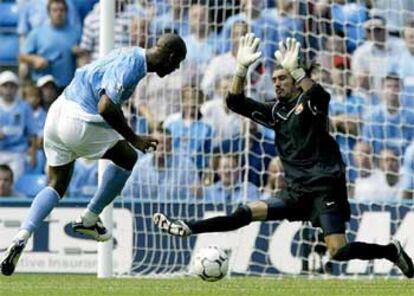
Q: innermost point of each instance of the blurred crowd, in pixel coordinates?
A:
(365, 55)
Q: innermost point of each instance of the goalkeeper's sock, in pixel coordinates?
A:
(42, 205)
(113, 180)
(365, 251)
(241, 217)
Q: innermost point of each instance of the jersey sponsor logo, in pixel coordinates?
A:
(299, 109)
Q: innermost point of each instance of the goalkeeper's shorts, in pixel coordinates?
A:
(69, 135)
(327, 207)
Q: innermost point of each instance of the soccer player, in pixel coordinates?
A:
(314, 169)
(87, 121)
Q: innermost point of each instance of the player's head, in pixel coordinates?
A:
(163, 136)
(198, 19)
(57, 10)
(48, 90)
(32, 95)
(229, 169)
(247, 5)
(389, 162)
(192, 98)
(409, 34)
(362, 156)
(284, 84)
(9, 85)
(6, 180)
(167, 54)
(391, 89)
(376, 30)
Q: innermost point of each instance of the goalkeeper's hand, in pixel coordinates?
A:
(247, 54)
(288, 57)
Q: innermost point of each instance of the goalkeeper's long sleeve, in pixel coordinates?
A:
(257, 111)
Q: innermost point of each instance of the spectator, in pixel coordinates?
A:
(6, 182)
(362, 164)
(408, 173)
(48, 48)
(190, 135)
(395, 12)
(33, 97)
(175, 20)
(382, 185)
(345, 111)
(201, 41)
(84, 181)
(48, 90)
(35, 13)
(224, 64)
(373, 59)
(163, 175)
(390, 124)
(261, 150)
(333, 54)
(230, 188)
(17, 128)
(270, 26)
(88, 49)
(140, 35)
(157, 98)
(348, 18)
(226, 124)
(276, 181)
(404, 64)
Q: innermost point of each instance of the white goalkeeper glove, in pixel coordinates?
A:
(288, 57)
(247, 54)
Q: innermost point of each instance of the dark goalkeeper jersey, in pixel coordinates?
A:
(310, 156)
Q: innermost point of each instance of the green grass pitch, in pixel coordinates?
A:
(79, 285)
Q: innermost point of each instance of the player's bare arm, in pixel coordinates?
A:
(115, 118)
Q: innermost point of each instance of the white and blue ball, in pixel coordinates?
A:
(211, 264)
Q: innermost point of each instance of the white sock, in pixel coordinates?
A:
(23, 234)
(89, 218)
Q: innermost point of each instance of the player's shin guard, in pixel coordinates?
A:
(113, 180)
(42, 205)
(239, 218)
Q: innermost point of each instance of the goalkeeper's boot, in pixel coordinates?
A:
(97, 231)
(402, 260)
(12, 256)
(173, 227)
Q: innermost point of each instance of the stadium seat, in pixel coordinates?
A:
(8, 15)
(9, 49)
(30, 185)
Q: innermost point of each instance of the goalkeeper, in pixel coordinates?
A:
(314, 169)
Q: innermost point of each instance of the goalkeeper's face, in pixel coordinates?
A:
(284, 84)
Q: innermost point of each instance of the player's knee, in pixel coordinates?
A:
(333, 251)
(337, 250)
(243, 214)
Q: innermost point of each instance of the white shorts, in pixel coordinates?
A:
(71, 133)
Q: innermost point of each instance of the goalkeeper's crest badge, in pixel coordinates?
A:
(299, 109)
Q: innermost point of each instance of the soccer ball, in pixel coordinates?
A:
(211, 264)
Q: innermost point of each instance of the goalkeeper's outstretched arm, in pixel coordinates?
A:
(248, 54)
